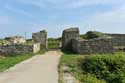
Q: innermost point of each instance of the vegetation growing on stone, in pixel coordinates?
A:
(83, 36)
(94, 34)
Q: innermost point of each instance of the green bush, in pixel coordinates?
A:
(92, 79)
(94, 34)
(108, 67)
(83, 36)
(74, 62)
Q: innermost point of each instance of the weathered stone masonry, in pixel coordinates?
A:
(40, 37)
(68, 35)
(118, 40)
(19, 49)
(71, 40)
(99, 45)
(18, 44)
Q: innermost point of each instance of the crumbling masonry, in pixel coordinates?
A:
(40, 37)
(71, 40)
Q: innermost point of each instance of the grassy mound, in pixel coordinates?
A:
(109, 67)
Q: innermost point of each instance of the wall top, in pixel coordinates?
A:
(71, 29)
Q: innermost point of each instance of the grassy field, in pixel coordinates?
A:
(7, 62)
(53, 43)
(105, 68)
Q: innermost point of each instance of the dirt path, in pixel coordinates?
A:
(38, 69)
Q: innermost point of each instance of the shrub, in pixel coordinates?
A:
(108, 67)
(83, 36)
(94, 34)
(74, 62)
(92, 79)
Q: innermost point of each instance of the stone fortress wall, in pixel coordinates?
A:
(118, 40)
(97, 45)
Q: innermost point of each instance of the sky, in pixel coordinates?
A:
(18, 17)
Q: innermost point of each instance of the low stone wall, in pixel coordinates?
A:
(118, 41)
(94, 46)
(19, 49)
(117, 35)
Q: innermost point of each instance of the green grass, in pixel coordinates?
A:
(53, 43)
(74, 62)
(97, 68)
(71, 61)
(7, 62)
(10, 61)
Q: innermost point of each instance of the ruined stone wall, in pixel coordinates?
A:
(15, 40)
(67, 36)
(71, 41)
(19, 49)
(117, 35)
(40, 37)
(94, 46)
(118, 40)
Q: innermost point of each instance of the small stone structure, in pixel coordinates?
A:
(40, 37)
(19, 49)
(92, 46)
(16, 40)
(67, 36)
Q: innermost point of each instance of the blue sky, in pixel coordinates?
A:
(20, 16)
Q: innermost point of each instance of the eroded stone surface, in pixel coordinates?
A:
(40, 37)
(67, 36)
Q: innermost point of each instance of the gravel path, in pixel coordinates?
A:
(38, 69)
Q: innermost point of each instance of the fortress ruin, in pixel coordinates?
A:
(71, 41)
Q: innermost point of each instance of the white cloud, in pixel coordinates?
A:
(111, 21)
(114, 16)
